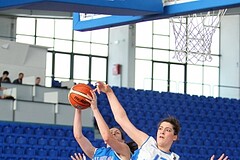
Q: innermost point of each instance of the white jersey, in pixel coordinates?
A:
(149, 151)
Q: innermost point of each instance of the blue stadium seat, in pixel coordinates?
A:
(52, 153)
(28, 130)
(52, 142)
(10, 139)
(21, 140)
(59, 132)
(69, 133)
(8, 150)
(7, 129)
(49, 131)
(39, 131)
(41, 152)
(42, 141)
(32, 141)
(73, 143)
(30, 151)
(63, 143)
(19, 150)
(18, 129)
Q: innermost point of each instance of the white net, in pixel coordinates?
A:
(193, 35)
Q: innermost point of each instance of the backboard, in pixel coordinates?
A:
(171, 8)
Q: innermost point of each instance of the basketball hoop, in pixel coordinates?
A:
(193, 35)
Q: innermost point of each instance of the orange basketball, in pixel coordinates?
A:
(78, 94)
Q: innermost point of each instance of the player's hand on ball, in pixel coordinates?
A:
(223, 157)
(78, 156)
(92, 100)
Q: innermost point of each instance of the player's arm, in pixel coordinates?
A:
(120, 115)
(84, 143)
(119, 147)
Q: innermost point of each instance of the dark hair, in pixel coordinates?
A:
(174, 121)
(6, 72)
(133, 146)
(121, 130)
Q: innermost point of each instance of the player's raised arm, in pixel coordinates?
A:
(112, 138)
(120, 115)
(84, 143)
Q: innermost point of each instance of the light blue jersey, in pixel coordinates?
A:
(149, 151)
(105, 154)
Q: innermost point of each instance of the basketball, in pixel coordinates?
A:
(78, 94)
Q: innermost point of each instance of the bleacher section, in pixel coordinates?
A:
(32, 141)
(209, 126)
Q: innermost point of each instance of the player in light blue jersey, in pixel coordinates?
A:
(116, 148)
(148, 147)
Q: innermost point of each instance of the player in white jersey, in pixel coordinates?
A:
(116, 148)
(148, 147)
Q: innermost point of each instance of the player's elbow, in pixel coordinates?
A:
(78, 136)
(106, 137)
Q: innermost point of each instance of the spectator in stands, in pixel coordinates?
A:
(5, 78)
(37, 81)
(116, 147)
(148, 147)
(19, 79)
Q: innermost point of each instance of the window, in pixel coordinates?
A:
(71, 54)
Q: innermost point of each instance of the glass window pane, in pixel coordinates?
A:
(160, 71)
(160, 55)
(161, 26)
(144, 34)
(142, 75)
(63, 29)
(81, 67)
(160, 85)
(176, 77)
(214, 62)
(25, 26)
(211, 76)
(172, 39)
(62, 45)
(49, 64)
(143, 53)
(194, 89)
(174, 57)
(25, 39)
(48, 42)
(160, 77)
(41, 27)
(215, 43)
(194, 74)
(99, 49)
(81, 47)
(161, 42)
(100, 36)
(82, 36)
(48, 82)
(99, 69)
(62, 65)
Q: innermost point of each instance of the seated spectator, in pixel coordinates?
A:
(19, 79)
(37, 81)
(5, 77)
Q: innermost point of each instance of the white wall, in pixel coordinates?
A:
(19, 57)
(121, 51)
(230, 50)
